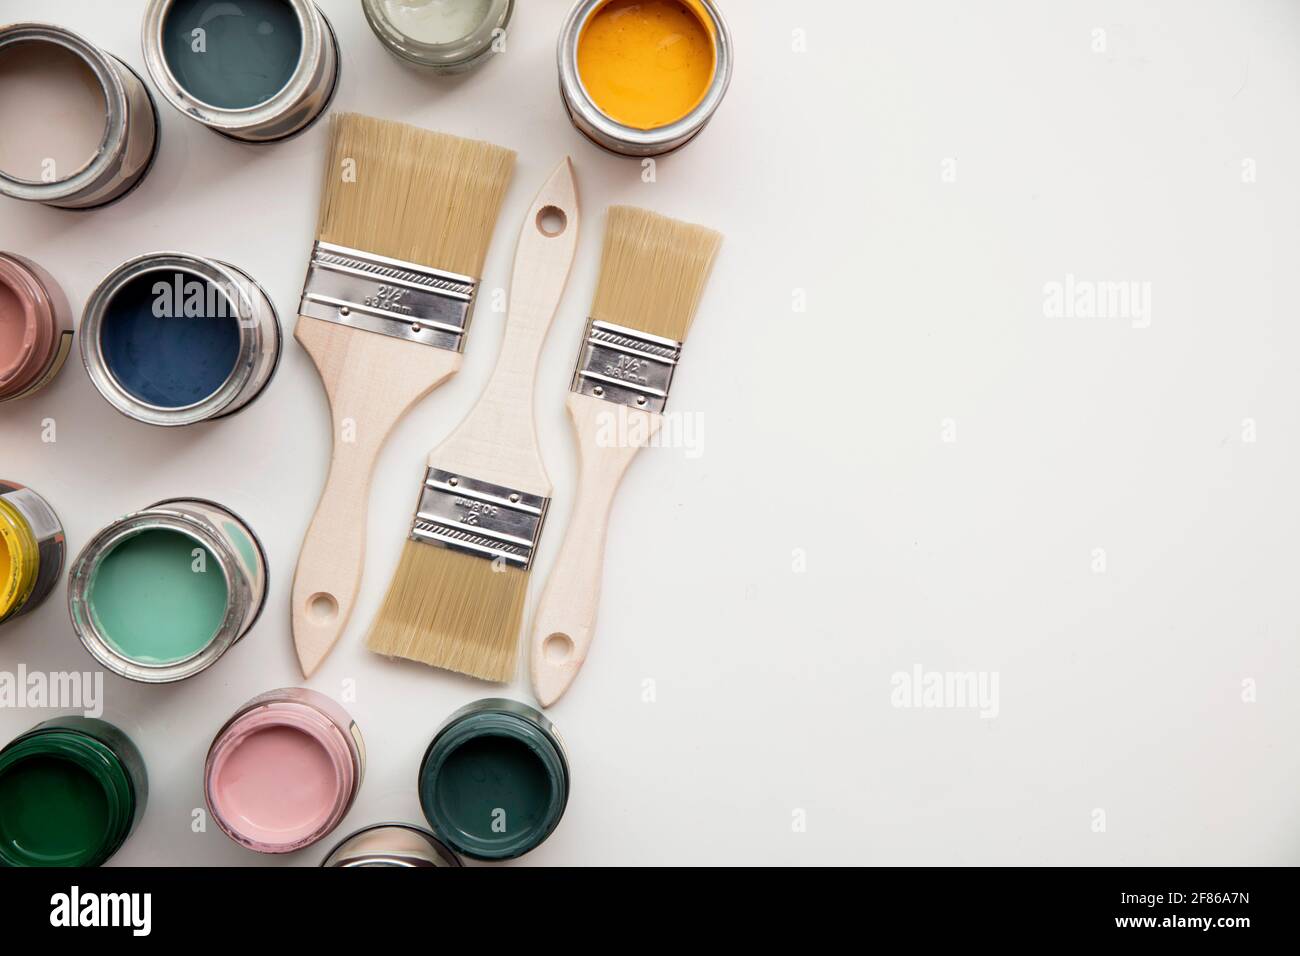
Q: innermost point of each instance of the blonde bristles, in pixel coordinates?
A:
(408, 193)
(652, 271)
(452, 610)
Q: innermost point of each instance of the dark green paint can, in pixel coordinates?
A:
(494, 781)
(71, 791)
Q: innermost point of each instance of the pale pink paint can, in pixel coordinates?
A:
(284, 771)
(35, 327)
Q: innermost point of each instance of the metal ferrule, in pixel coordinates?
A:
(479, 518)
(626, 366)
(240, 558)
(390, 296)
(130, 141)
(302, 100)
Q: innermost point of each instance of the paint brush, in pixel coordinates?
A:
(456, 600)
(406, 216)
(652, 275)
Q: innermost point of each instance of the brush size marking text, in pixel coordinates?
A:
(389, 298)
(475, 509)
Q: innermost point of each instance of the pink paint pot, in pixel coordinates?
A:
(284, 771)
(35, 327)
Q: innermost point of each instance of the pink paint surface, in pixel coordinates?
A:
(280, 777)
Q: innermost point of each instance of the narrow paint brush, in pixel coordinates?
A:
(456, 600)
(406, 217)
(652, 275)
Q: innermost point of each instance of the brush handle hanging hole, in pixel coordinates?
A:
(552, 221)
(322, 607)
(557, 648)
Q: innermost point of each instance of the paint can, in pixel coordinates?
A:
(162, 594)
(31, 550)
(257, 71)
(35, 328)
(623, 92)
(442, 36)
(107, 136)
(494, 782)
(72, 790)
(391, 844)
(174, 339)
(284, 770)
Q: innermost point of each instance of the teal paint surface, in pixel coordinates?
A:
(149, 602)
(494, 782)
(246, 53)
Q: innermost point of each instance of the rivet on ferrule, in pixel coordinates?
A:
(626, 366)
(389, 296)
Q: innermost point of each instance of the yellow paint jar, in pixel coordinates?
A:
(643, 77)
(31, 550)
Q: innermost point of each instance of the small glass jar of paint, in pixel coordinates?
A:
(173, 339)
(35, 328)
(80, 128)
(643, 77)
(31, 550)
(391, 844)
(71, 791)
(284, 771)
(495, 781)
(162, 594)
(446, 36)
(257, 71)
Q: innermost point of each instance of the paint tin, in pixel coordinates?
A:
(35, 328)
(107, 135)
(71, 791)
(284, 771)
(31, 550)
(257, 71)
(495, 781)
(445, 36)
(162, 594)
(661, 74)
(391, 844)
(174, 339)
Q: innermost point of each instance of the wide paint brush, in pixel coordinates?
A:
(456, 601)
(405, 220)
(652, 275)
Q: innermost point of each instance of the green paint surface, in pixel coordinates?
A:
(241, 55)
(493, 779)
(52, 812)
(150, 602)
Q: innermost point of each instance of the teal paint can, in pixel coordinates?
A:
(494, 781)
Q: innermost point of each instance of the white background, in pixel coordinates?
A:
(824, 433)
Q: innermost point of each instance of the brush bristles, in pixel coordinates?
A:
(452, 610)
(652, 271)
(408, 193)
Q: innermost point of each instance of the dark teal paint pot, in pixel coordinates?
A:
(494, 782)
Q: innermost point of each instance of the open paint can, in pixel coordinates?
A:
(174, 339)
(71, 791)
(284, 771)
(445, 36)
(495, 781)
(643, 77)
(256, 71)
(391, 844)
(78, 128)
(31, 550)
(162, 594)
(35, 328)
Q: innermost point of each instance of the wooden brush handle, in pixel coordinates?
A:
(497, 441)
(566, 617)
(371, 381)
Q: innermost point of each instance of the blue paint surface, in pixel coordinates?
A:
(175, 358)
(232, 55)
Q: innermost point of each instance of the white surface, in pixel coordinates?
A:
(823, 431)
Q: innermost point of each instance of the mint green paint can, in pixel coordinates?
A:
(494, 782)
(163, 593)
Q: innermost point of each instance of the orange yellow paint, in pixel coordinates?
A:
(646, 63)
(18, 560)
